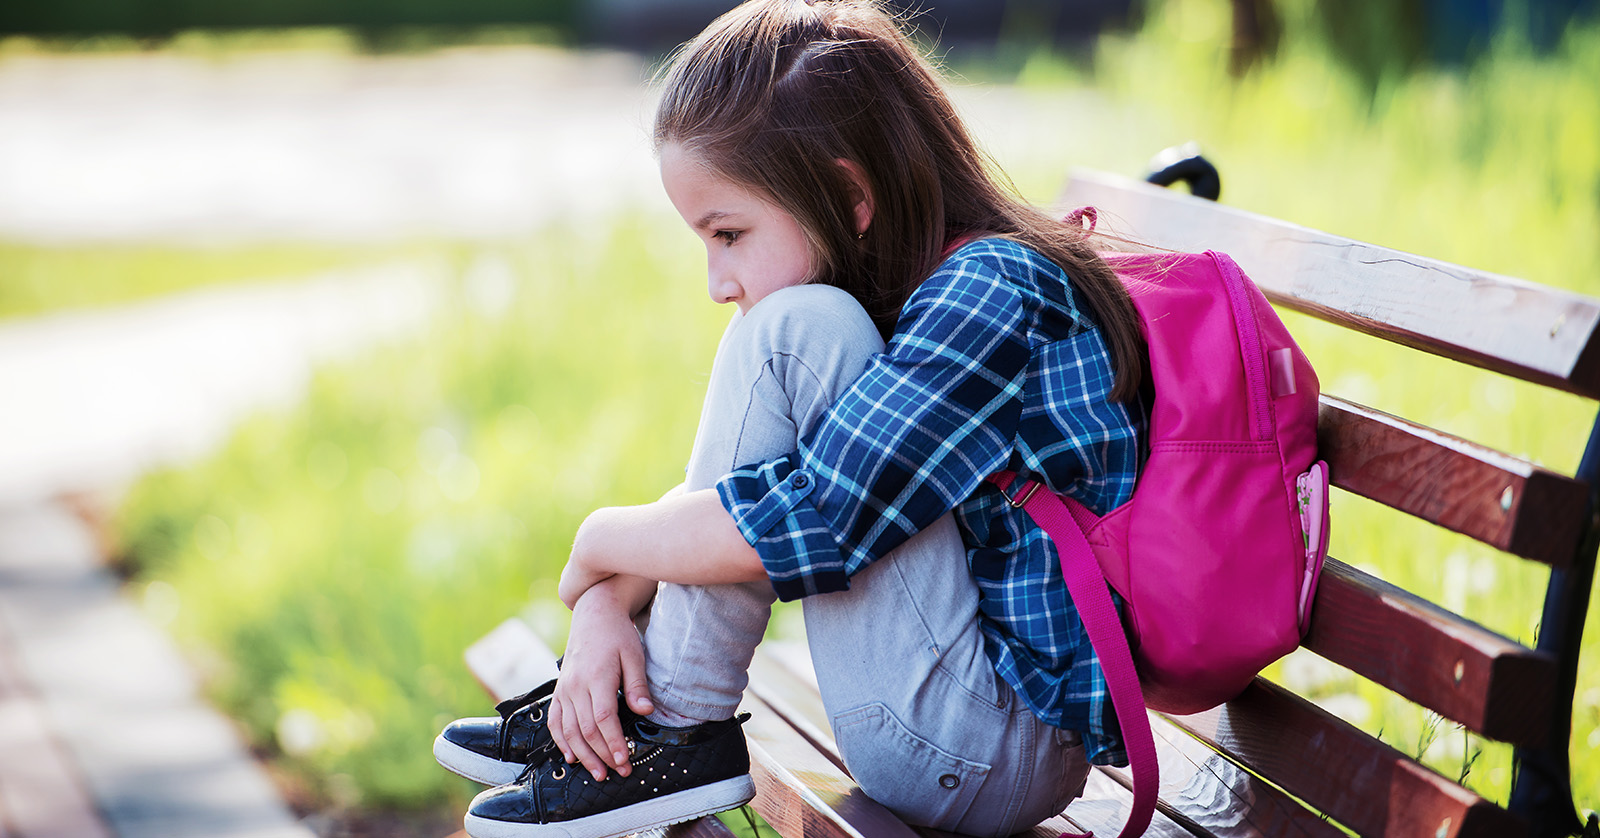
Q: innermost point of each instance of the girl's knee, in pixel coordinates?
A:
(809, 341)
(812, 319)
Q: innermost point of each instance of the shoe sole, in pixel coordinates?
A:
(473, 765)
(649, 814)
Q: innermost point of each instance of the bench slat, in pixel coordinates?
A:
(510, 660)
(1214, 796)
(1451, 665)
(1359, 781)
(1202, 794)
(1506, 502)
(1490, 321)
(781, 676)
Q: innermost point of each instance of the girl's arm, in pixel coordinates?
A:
(686, 539)
(638, 591)
(617, 558)
(603, 654)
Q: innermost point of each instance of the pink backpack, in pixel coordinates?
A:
(1216, 555)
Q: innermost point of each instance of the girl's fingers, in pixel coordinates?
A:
(557, 734)
(634, 683)
(606, 735)
(587, 757)
(579, 745)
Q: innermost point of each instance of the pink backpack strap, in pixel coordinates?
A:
(1087, 584)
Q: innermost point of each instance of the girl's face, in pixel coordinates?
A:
(753, 248)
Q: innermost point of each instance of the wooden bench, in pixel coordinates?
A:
(1271, 762)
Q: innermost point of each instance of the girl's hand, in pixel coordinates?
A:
(604, 653)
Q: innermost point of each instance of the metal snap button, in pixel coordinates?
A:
(949, 781)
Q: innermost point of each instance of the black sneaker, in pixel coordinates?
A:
(494, 750)
(679, 773)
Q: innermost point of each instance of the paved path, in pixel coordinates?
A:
(99, 704)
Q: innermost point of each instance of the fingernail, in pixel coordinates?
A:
(620, 756)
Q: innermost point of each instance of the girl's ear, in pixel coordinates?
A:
(860, 193)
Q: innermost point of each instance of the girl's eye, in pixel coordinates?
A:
(728, 236)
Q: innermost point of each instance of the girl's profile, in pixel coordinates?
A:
(905, 327)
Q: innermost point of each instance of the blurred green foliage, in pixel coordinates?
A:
(1478, 165)
(332, 562)
(1374, 40)
(163, 18)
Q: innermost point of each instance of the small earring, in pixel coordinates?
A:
(861, 235)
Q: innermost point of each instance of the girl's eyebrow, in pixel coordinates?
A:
(709, 218)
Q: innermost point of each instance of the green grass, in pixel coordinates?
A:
(331, 563)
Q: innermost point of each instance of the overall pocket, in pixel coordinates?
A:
(917, 780)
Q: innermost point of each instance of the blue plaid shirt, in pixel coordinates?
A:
(992, 366)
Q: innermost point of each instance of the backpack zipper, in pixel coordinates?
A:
(1255, 373)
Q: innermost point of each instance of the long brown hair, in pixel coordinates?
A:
(772, 93)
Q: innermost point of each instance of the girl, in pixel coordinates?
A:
(841, 201)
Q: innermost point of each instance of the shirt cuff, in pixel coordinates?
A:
(769, 504)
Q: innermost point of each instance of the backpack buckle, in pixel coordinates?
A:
(1023, 494)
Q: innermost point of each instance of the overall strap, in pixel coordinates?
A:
(1091, 595)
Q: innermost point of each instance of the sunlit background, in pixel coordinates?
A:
(337, 316)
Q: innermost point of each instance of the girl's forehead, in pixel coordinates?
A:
(678, 162)
(675, 155)
(689, 167)
(681, 164)
(697, 189)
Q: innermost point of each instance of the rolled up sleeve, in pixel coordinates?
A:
(798, 548)
(913, 437)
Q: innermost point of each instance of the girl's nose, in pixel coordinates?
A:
(722, 287)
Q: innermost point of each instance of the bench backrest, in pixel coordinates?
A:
(1438, 659)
